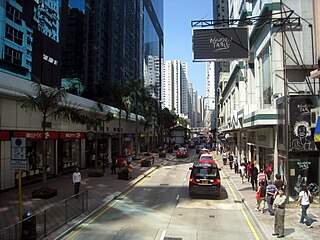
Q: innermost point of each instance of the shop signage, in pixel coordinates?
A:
(36, 135)
(220, 44)
(74, 135)
(4, 135)
(301, 137)
(18, 153)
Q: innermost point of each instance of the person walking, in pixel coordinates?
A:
(113, 166)
(279, 205)
(254, 176)
(242, 172)
(230, 160)
(248, 171)
(303, 200)
(76, 178)
(270, 191)
(236, 164)
(262, 176)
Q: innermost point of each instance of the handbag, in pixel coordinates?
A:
(310, 198)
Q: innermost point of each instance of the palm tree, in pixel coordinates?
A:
(136, 91)
(94, 118)
(50, 102)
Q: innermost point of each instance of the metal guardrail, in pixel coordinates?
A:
(39, 225)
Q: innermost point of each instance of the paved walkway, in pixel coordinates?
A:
(108, 186)
(293, 229)
(101, 189)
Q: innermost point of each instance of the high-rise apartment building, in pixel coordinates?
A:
(30, 40)
(175, 87)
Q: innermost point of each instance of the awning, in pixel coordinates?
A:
(317, 131)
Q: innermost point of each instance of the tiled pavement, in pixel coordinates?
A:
(100, 190)
(293, 229)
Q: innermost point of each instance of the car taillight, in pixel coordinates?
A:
(217, 181)
(191, 180)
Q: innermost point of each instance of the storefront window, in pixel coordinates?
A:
(266, 160)
(69, 153)
(35, 157)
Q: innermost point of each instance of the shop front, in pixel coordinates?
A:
(261, 149)
(35, 151)
(69, 151)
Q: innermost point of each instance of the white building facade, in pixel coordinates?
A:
(265, 102)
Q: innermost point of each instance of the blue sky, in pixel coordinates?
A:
(178, 15)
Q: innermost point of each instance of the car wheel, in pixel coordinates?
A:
(191, 194)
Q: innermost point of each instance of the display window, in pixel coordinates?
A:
(68, 153)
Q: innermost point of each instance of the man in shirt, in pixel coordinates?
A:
(76, 178)
(279, 207)
(271, 190)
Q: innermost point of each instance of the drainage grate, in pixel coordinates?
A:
(211, 216)
(164, 184)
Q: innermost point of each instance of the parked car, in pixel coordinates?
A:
(182, 153)
(204, 179)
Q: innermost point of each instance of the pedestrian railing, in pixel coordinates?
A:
(39, 225)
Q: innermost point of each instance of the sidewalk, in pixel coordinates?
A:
(101, 189)
(293, 229)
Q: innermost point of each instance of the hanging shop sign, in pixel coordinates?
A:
(220, 44)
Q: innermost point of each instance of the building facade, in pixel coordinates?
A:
(265, 104)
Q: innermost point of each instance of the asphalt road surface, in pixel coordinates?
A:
(159, 207)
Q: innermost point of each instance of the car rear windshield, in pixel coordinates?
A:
(206, 157)
(205, 172)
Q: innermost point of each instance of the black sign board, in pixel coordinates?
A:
(220, 44)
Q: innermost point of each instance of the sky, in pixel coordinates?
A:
(178, 15)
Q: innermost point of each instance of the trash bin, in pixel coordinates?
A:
(29, 226)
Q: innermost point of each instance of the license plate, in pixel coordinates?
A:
(205, 182)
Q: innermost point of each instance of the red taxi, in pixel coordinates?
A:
(206, 158)
(182, 153)
(203, 151)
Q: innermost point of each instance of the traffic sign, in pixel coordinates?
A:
(18, 153)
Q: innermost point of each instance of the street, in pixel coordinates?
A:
(159, 207)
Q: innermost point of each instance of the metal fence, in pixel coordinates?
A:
(39, 225)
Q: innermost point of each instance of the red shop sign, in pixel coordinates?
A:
(36, 135)
(4, 135)
(73, 135)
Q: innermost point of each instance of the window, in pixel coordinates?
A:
(13, 34)
(13, 56)
(13, 14)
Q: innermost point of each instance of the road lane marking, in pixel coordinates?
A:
(163, 235)
(177, 198)
(249, 224)
(242, 210)
(81, 228)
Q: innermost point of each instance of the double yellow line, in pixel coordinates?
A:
(241, 208)
(109, 206)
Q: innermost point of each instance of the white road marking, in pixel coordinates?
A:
(163, 235)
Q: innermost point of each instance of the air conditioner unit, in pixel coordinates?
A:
(315, 112)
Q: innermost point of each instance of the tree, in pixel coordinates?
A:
(50, 102)
(94, 118)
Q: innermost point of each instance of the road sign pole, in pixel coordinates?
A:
(20, 203)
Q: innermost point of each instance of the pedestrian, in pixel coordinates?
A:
(76, 178)
(279, 205)
(278, 182)
(230, 160)
(236, 165)
(224, 158)
(113, 166)
(261, 197)
(254, 175)
(303, 200)
(242, 172)
(248, 171)
(271, 190)
(262, 176)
